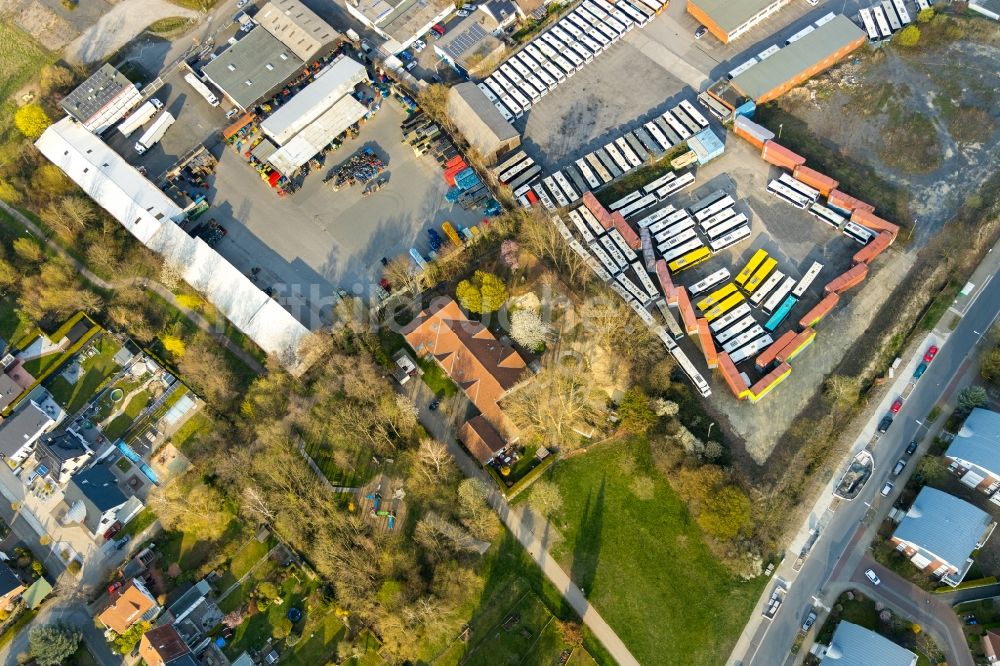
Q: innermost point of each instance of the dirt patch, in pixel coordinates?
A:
(42, 23)
(119, 26)
(971, 125)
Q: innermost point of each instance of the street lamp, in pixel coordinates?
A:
(709, 435)
(780, 127)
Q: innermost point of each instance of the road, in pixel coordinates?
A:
(840, 547)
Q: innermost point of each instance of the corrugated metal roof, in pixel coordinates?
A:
(706, 145)
(477, 118)
(296, 26)
(90, 96)
(797, 57)
(978, 441)
(853, 645)
(943, 525)
(335, 81)
(316, 136)
(731, 14)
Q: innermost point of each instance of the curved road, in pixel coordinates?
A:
(195, 317)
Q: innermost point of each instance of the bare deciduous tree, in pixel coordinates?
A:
(436, 462)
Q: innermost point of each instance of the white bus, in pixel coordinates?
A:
(509, 174)
(718, 218)
(743, 338)
(654, 185)
(684, 180)
(768, 52)
(642, 312)
(782, 191)
(655, 222)
(631, 287)
(881, 22)
(493, 84)
(858, 233)
(571, 193)
(543, 75)
(604, 258)
(779, 295)
(731, 238)
(654, 5)
(751, 349)
(740, 311)
(715, 203)
(726, 226)
(617, 157)
(535, 53)
(678, 127)
(201, 88)
(598, 166)
(807, 279)
(573, 51)
(595, 47)
(525, 178)
(901, 11)
(673, 230)
(709, 281)
(568, 26)
(691, 125)
(639, 18)
(800, 34)
(595, 9)
(823, 20)
(555, 191)
(622, 18)
(821, 212)
(694, 113)
(519, 96)
(638, 205)
(543, 196)
(591, 221)
(616, 26)
(890, 16)
(733, 73)
(666, 128)
(869, 23)
(554, 71)
(658, 135)
(581, 226)
(758, 296)
(682, 249)
(627, 152)
(676, 240)
(800, 187)
(688, 367)
(625, 200)
(613, 250)
(644, 278)
(619, 240)
(588, 174)
(565, 65)
(738, 327)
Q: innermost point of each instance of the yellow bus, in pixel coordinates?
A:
(751, 266)
(762, 272)
(725, 306)
(690, 259)
(716, 296)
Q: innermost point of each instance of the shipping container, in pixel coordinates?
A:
(751, 266)
(871, 221)
(704, 339)
(846, 203)
(626, 230)
(820, 310)
(747, 129)
(595, 207)
(850, 278)
(866, 254)
(688, 317)
(769, 381)
(797, 344)
(666, 283)
(732, 377)
(776, 154)
(819, 181)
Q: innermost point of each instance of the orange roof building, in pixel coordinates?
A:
(481, 439)
(482, 366)
(132, 604)
(162, 646)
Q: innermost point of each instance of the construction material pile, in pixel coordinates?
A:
(360, 168)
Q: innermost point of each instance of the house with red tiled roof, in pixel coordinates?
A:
(132, 604)
(484, 368)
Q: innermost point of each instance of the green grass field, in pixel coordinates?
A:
(21, 58)
(121, 423)
(96, 370)
(643, 564)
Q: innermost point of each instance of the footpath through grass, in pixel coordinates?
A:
(643, 563)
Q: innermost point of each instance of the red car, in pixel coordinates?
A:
(931, 353)
(896, 406)
(115, 586)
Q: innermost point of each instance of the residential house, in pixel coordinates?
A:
(991, 645)
(853, 645)
(481, 439)
(482, 366)
(163, 646)
(62, 455)
(974, 453)
(11, 587)
(20, 432)
(133, 603)
(10, 390)
(193, 615)
(940, 532)
(503, 12)
(96, 502)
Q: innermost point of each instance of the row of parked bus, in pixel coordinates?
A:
(555, 55)
(795, 192)
(885, 18)
(598, 168)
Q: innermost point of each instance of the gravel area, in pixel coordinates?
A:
(118, 26)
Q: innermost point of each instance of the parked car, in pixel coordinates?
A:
(155, 102)
(870, 575)
(931, 353)
(112, 531)
(366, 47)
(410, 65)
(810, 619)
(242, 3)
(884, 424)
(886, 489)
(121, 543)
(232, 113)
(463, 13)
(435, 403)
(898, 469)
(911, 448)
(419, 45)
(700, 32)
(921, 369)
(896, 406)
(469, 7)
(439, 29)
(405, 56)
(115, 586)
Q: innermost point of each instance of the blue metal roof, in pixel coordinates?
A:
(978, 441)
(853, 645)
(943, 525)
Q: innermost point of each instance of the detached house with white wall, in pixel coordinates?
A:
(974, 454)
(95, 501)
(940, 532)
(21, 431)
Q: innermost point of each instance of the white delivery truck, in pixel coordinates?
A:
(154, 133)
(140, 117)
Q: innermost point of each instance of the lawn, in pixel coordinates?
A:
(191, 432)
(243, 561)
(38, 367)
(96, 370)
(643, 563)
(15, 328)
(144, 519)
(190, 552)
(434, 376)
(121, 423)
(22, 59)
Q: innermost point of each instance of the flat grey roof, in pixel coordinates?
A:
(297, 26)
(258, 58)
(978, 441)
(93, 94)
(853, 645)
(798, 56)
(731, 14)
(477, 118)
(943, 525)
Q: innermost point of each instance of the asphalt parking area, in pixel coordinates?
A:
(311, 243)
